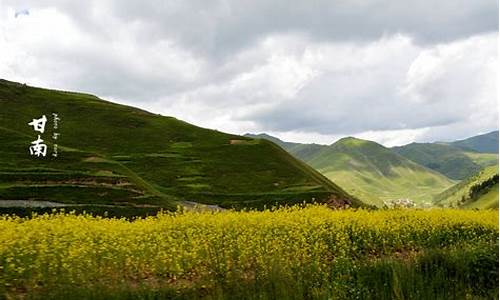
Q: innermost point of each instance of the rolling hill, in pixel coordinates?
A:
(111, 155)
(484, 143)
(456, 163)
(305, 152)
(370, 171)
(477, 191)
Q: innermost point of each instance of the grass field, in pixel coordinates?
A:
(370, 171)
(375, 174)
(486, 201)
(483, 159)
(111, 154)
(291, 253)
(455, 163)
(458, 194)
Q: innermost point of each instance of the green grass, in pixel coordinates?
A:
(159, 159)
(369, 171)
(486, 201)
(375, 188)
(458, 194)
(484, 143)
(483, 159)
(450, 161)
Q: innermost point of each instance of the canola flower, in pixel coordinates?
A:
(207, 248)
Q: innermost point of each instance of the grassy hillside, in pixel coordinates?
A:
(483, 159)
(305, 152)
(485, 143)
(111, 154)
(374, 173)
(461, 195)
(370, 171)
(489, 200)
(453, 162)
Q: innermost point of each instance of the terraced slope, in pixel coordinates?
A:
(116, 155)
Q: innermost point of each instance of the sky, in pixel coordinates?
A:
(391, 71)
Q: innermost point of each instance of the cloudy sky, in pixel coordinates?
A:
(394, 71)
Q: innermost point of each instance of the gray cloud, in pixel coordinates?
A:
(402, 87)
(323, 68)
(219, 27)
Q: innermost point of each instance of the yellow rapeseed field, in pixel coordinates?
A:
(203, 248)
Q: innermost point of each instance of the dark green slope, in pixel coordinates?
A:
(111, 154)
(277, 141)
(453, 162)
(484, 143)
(305, 152)
(371, 171)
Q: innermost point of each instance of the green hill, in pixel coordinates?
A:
(451, 161)
(304, 152)
(371, 171)
(111, 155)
(489, 200)
(477, 191)
(484, 143)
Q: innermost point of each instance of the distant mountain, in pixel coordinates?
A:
(456, 163)
(370, 171)
(477, 191)
(484, 143)
(277, 141)
(112, 155)
(304, 152)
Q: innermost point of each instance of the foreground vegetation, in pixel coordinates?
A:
(290, 253)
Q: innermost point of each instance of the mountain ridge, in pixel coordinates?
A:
(447, 159)
(483, 143)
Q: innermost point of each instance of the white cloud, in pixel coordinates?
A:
(48, 48)
(364, 90)
(307, 73)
